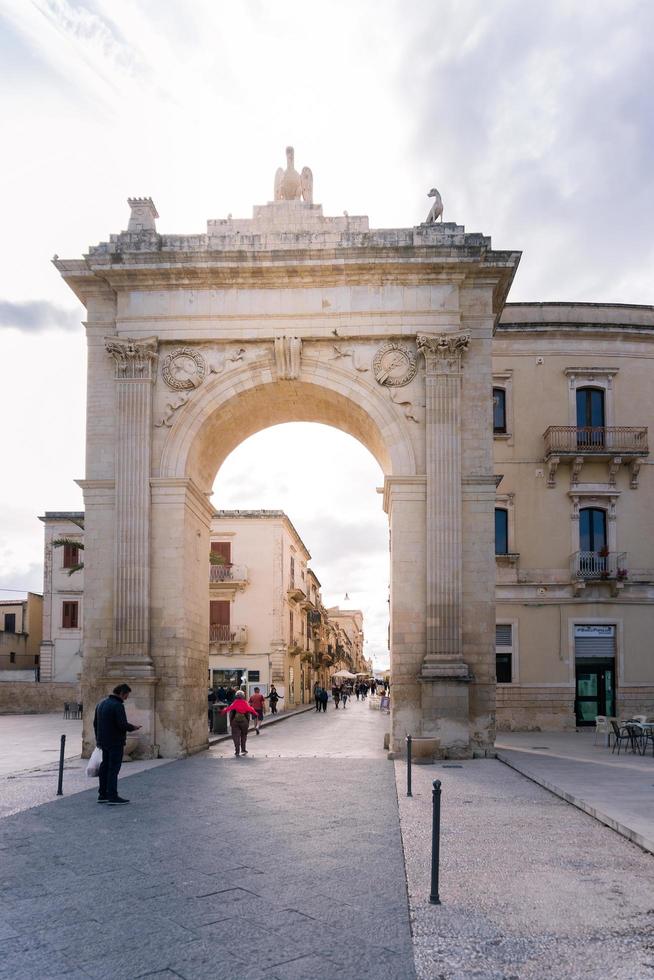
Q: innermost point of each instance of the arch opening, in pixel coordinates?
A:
(227, 413)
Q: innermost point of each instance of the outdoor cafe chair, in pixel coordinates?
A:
(603, 727)
(621, 734)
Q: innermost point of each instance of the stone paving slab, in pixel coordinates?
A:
(531, 888)
(269, 866)
(617, 790)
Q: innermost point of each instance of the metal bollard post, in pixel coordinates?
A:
(435, 841)
(409, 742)
(60, 784)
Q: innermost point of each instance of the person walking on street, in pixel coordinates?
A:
(239, 722)
(336, 694)
(344, 696)
(258, 702)
(273, 697)
(324, 698)
(316, 694)
(111, 726)
(357, 689)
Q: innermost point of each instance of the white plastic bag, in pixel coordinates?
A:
(93, 767)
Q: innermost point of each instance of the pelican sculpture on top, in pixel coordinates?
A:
(292, 186)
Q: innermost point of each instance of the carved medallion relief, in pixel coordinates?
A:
(394, 365)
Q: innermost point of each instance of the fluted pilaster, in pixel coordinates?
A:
(443, 355)
(135, 373)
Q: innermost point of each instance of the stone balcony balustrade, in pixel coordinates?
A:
(228, 636)
(616, 444)
(296, 593)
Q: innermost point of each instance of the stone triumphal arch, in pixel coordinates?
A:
(196, 342)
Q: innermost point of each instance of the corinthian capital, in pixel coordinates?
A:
(133, 358)
(443, 352)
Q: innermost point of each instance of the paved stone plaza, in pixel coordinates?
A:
(290, 863)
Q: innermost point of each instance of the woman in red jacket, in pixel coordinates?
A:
(239, 710)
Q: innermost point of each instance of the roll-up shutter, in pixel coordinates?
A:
(595, 646)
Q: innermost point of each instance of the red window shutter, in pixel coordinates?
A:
(219, 612)
(71, 555)
(224, 549)
(69, 618)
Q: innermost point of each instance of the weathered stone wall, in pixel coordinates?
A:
(29, 698)
(535, 709)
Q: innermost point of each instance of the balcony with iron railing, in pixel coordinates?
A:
(599, 566)
(232, 636)
(616, 444)
(623, 440)
(228, 575)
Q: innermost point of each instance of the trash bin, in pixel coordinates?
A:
(219, 726)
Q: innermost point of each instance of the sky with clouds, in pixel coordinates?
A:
(534, 120)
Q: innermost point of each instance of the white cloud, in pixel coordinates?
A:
(533, 120)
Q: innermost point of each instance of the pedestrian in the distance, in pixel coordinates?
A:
(258, 702)
(357, 689)
(344, 696)
(336, 694)
(273, 698)
(111, 726)
(239, 722)
(324, 698)
(317, 692)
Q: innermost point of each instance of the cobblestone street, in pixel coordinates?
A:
(272, 865)
(291, 862)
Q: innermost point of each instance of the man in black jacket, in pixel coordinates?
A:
(111, 727)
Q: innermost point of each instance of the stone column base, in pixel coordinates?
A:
(445, 708)
(139, 673)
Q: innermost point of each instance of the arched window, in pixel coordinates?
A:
(499, 410)
(501, 531)
(590, 417)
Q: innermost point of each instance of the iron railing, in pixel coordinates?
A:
(228, 634)
(228, 573)
(598, 565)
(580, 440)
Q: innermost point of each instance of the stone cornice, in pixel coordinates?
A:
(294, 267)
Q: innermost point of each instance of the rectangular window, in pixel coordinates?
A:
(501, 531)
(503, 668)
(12, 657)
(222, 549)
(71, 555)
(253, 676)
(69, 619)
(504, 653)
(499, 410)
(10, 622)
(219, 610)
(290, 627)
(292, 571)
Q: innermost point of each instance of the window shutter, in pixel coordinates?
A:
(503, 635)
(224, 549)
(595, 646)
(71, 555)
(219, 612)
(69, 618)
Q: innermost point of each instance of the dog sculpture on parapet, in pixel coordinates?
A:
(436, 210)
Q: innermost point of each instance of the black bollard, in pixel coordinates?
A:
(409, 742)
(435, 841)
(60, 784)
